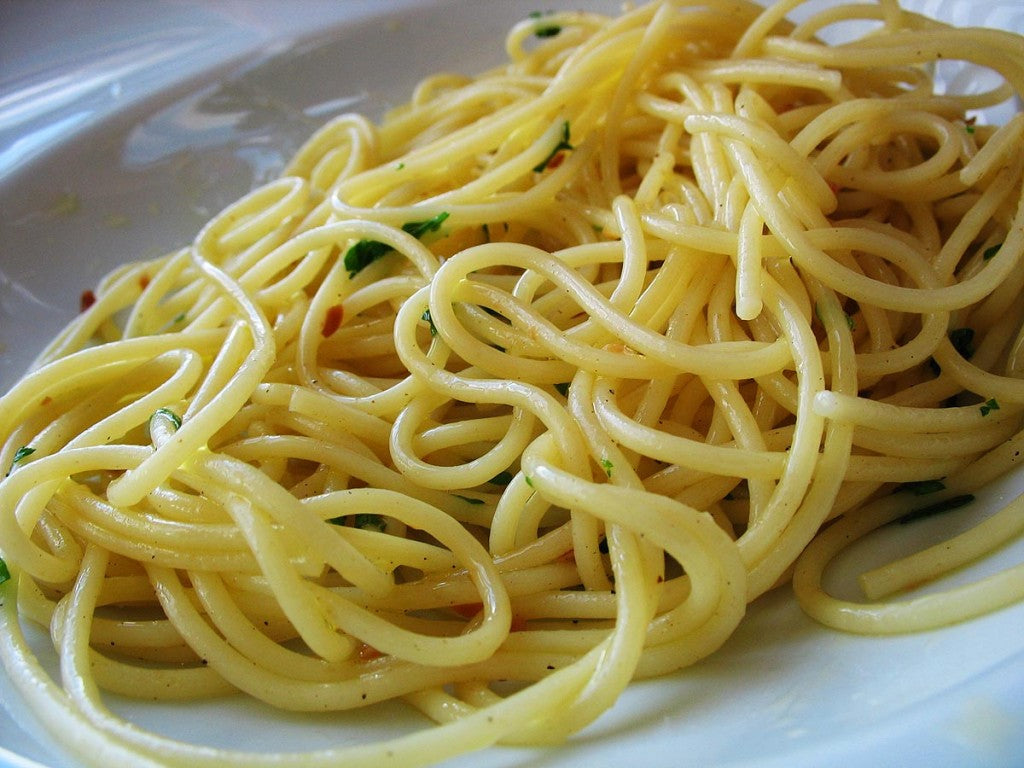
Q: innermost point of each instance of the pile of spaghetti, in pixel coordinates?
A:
(541, 380)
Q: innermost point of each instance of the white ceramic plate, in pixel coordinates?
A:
(124, 126)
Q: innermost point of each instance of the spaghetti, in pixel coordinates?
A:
(542, 379)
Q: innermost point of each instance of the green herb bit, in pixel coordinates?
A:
(563, 144)
(502, 478)
(562, 388)
(821, 318)
(419, 228)
(529, 482)
(991, 251)
(370, 522)
(607, 466)
(5, 574)
(962, 340)
(430, 321)
(22, 453)
(168, 414)
(545, 30)
(969, 128)
(947, 505)
(989, 406)
(365, 252)
(468, 499)
(922, 487)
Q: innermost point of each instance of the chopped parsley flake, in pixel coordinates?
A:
(989, 406)
(370, 522)
(821, 319)
(529, 482)
(607, 466)
(562, 144)
(430, 321)
(168, 414)
(22, 453)
(5, 574)
(502, 478)
(542, 29)
(419, 228)
(365, 252)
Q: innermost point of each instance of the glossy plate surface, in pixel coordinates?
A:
(124, 126)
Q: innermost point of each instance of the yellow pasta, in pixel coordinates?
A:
(543, 379)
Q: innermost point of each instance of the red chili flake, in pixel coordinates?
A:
(332, 320)
(569, 556)
(45, 401)
(87, 299)
(143, 281)
(557, 160)
(368, 652)
(834, 187)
